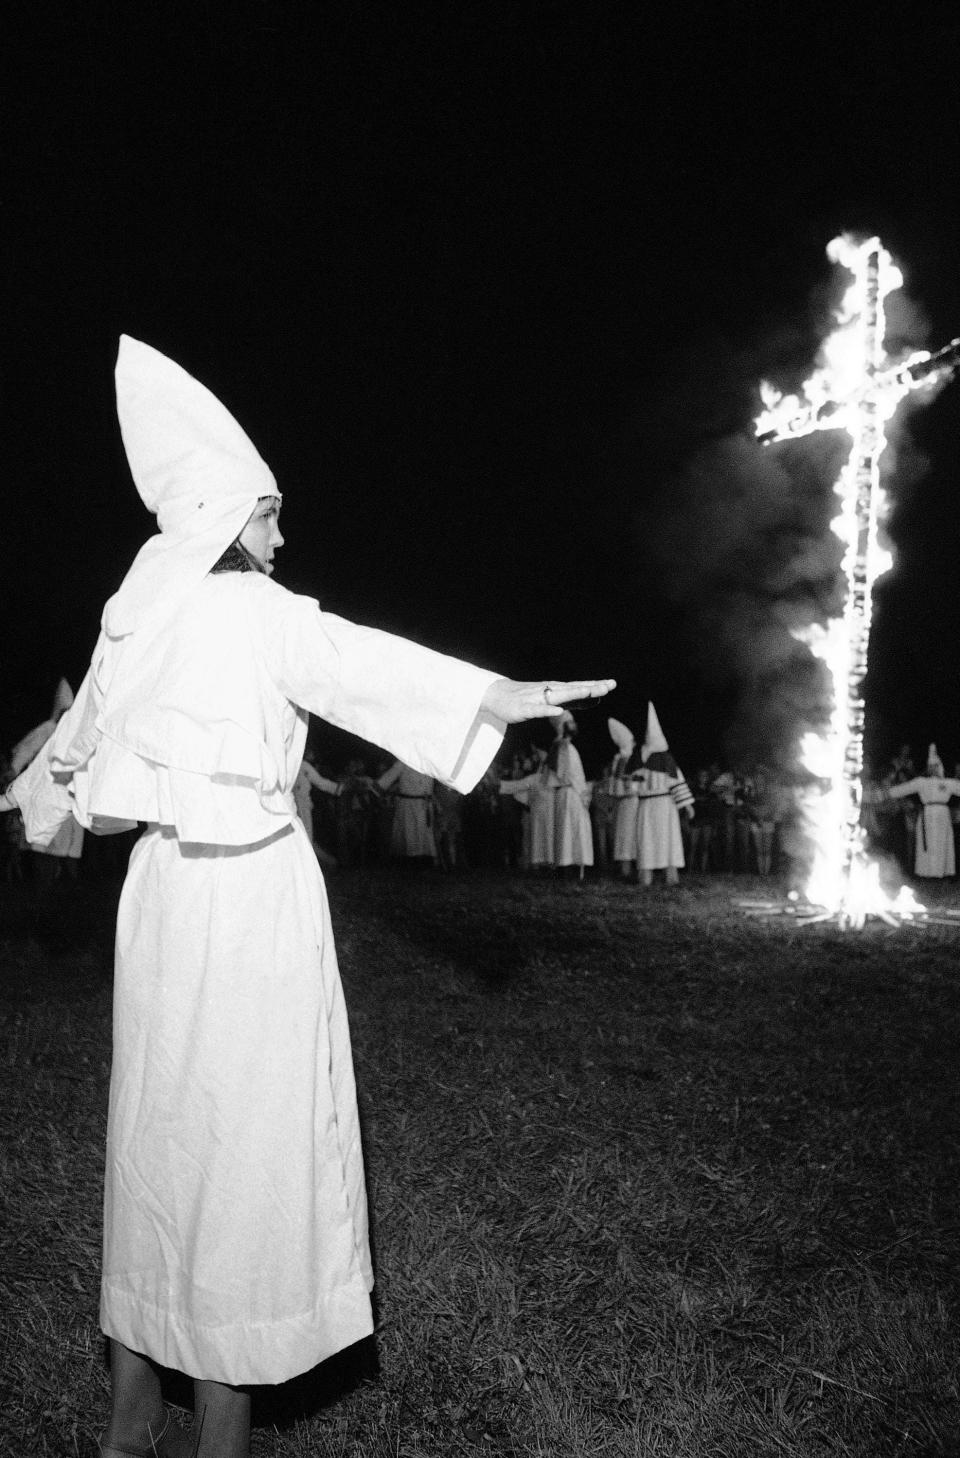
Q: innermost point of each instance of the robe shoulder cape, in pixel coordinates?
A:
(202, 726)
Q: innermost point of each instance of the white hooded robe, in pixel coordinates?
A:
(935, 855)
(573, 833)
(235, 1221)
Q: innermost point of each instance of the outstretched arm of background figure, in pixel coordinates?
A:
(318, 781)
(388, 778)
(514, 701)
(900, 792)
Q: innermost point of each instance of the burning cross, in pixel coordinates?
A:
(857, 389)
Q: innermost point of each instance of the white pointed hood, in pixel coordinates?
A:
(193, 466)
(622, 737)
(62, 699)
(654, 741)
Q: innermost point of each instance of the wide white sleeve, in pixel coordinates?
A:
(909, 787)
(424, 707)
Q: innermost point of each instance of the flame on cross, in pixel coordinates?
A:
(855, 388)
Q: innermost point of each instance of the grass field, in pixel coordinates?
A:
(647, 1177)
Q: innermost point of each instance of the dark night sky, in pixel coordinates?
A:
(480, 281)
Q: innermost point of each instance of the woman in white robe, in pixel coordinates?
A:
(235, 1225)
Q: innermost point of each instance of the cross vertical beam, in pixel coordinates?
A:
(857, 390)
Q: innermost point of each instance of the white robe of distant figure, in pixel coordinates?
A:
(662, 794)
(538, 791)
(412, 832)
(626, 791)
(935, 855)
(572, 831)
(659, 843)
(623, 790)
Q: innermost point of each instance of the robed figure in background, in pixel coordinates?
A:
(935, 855)
(572, 831)
(412, 836)
(662, 795)
(625, 789)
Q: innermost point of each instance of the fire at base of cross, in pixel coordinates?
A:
(857, 389)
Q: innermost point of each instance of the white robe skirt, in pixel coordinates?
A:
(572, 830)
(659, 837)
(235, 1242)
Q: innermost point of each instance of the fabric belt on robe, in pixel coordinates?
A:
(657, 795)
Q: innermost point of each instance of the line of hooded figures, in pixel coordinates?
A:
(640, 818)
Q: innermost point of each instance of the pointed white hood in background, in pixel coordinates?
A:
(622, 737)
(62, 700)
(654, 741)
(193, 466)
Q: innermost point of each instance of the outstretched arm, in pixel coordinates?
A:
(514, 701)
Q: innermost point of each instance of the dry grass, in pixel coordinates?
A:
(647, 1178)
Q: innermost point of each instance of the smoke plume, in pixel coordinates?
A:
(740, 541)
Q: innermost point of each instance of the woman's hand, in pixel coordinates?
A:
(514, 702)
